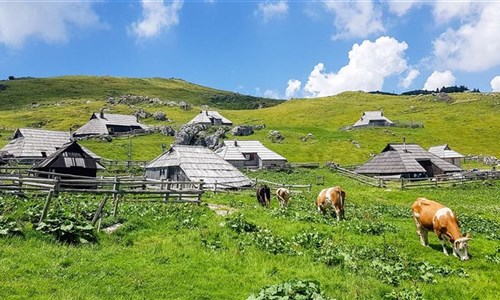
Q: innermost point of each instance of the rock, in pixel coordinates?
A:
(443, 97)
(259, 127)
(185, 106)
(213, 141)
(141, 113)
(188, 134)
(160, 116)
(275, 136)
(168, 131)
(243, 130)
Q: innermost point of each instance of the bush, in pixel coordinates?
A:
(292, 289)
(68, 229)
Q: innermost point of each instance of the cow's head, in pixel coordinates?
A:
(461, 247)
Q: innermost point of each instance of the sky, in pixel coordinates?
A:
(276, 49)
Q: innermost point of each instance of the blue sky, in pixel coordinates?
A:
(279, 49)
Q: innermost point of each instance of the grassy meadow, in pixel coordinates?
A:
(189, 252)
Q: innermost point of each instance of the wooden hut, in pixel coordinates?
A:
(444, 152)
(31, 145)
(109, 124)
(373, 118)
(70, 159)
(194, 163)
(253, 154)
(210, 118)
(406, 160)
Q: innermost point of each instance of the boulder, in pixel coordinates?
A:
(275, 136)
(242, 130)
(168, 131)
(142, 114)
(160, 116)
(188, 134)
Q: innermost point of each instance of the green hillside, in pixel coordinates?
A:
(19, 92)
(470, 124)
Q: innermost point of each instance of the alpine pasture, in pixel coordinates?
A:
(170, 251)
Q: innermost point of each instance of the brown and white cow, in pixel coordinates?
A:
(334, 198)
(431, 215)
(283, 195)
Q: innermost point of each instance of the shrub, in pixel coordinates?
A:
(8, 227)
(68, 229)
(292, 289)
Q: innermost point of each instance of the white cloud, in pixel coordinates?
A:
(445, 11)
(271, 94)
(408, 80)
(439, 79)
(157, 16)
(355, 19)
(269, 10)
(495, 84)
(474, 46)
(400, 8)
(292, 88)
(369, 64)
(49, 21)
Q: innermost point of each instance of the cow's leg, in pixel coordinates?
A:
(337, 213)
(443, 243)
(421, 232)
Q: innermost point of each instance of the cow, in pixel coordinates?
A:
(264, 195)
(431, 215)
(283, 195)
(334, 198)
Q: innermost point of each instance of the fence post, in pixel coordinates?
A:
(116, 195)
(57, 185)
(200, 187)
(402, 183)
(20, 184)
(46, 206)
(167, 194)
(98, 213)
(215, 185)
(310, 187)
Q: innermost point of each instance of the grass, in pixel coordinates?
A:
(189, 252)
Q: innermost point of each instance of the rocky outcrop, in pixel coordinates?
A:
(275, 136)
(242, 130)
(160, 116)
(168, 131)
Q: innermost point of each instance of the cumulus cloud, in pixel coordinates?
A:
(293, 87)
(269, 10)
(495, 84)
(439, 79)
(400, 8)
(157, 16)
(273, 94)
(474, 46)
(369, 64)
(355, 19)
(49, 21)
(408, 80)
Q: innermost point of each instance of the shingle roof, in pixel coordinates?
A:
(418, 153)
(98, 125)
(201, 163)
(30, 143)
(371, 116)
(69, 155)
(444, 151)
(206, 116)
(391, 162)
(235, 150)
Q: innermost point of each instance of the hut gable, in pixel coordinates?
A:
(104, 124)
(29, 144)
(210, 117)
(195, 163)
(373, 118)
(250, 153)
(446, 153)
(70, 159)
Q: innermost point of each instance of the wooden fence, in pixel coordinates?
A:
(405, 183)
(293, 188)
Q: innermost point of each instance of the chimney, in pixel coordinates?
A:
(206, 112)
(235, 143)
(404, 145)
(101, 113)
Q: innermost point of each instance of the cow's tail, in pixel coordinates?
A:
(341, 197)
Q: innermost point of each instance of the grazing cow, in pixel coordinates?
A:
(283, 195)
(431, 215)
(333, 197)
(264, 195)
